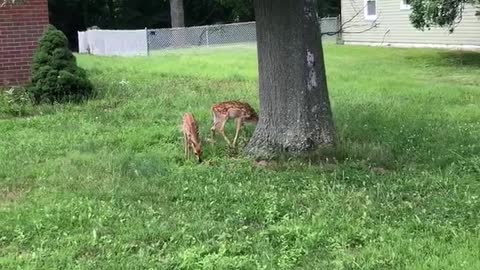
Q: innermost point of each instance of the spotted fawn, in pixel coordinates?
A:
(191, 137)
(240, 111)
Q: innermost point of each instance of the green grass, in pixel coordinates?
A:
(103, 185)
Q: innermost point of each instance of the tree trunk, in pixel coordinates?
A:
(295, 113)
(179, 36)
(177, 13)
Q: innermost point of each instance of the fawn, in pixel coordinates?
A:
(240, 111)
(191, 137)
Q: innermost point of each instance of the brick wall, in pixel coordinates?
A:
(20, 29)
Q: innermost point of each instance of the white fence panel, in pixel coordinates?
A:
(115, 42)
(82, 42)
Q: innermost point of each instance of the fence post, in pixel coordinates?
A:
(208, 42)
(148, 45)
(339, 30)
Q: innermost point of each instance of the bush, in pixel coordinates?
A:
(55, 74)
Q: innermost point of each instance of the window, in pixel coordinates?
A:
(371, 9)
(405, 4)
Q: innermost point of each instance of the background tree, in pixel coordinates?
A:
(295, 113)
(328, 8)
(71, 16)
(10, 2)
(443, 13)
(241, 10)
(177, 13)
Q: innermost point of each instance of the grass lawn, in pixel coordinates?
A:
(104, 185)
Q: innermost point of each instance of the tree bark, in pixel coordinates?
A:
(295, 113)
(177, 13)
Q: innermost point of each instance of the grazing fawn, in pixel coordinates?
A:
(191, 137)
(240, 111)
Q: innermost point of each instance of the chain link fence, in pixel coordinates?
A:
(219, 35)
(330, 28)
(209, 35)
(177, 38)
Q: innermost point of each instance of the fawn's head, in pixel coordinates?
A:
(253, 118)
(197, 150)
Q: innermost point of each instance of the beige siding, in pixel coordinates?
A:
(395, 27)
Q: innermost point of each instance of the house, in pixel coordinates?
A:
(21, 25)
(387, 23)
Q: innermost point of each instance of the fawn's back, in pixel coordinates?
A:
(235, 109)
(190, 127)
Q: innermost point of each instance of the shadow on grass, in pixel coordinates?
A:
(461, 58)
(402, 137)
(383, 139)
(449, 59)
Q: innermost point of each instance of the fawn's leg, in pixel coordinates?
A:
(239, 126)
(222, 129)
(185, 145)
(214, 127)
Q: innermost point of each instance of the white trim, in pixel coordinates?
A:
(365, 10)
(416, 45)
(404, 5)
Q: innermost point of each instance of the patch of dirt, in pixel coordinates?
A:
(265, 164)
(12, 195)
(379, 170)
